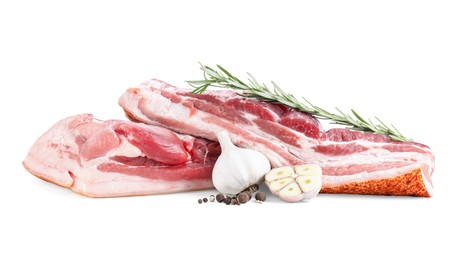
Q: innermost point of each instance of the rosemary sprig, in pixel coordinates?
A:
(223, 79)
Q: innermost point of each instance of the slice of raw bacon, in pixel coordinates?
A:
(121, 158)
(352, 161)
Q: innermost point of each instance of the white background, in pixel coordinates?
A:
(399, 60)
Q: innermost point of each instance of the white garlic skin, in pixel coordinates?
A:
(237, 168)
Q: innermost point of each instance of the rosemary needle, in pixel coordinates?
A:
(253, 89)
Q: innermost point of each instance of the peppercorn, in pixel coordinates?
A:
(260, 196)
(212, 198)
(249, 194)
(233, 202)
(220, 197)
(227, 200)
(205, 200)
(200, 201)
(243, 197)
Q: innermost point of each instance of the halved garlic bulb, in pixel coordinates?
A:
(295, 183)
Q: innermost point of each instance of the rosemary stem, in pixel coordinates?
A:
(221, 78)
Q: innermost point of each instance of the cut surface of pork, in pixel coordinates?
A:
(352, 161)
(121, 158)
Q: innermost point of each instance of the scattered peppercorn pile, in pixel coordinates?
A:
(239, 199)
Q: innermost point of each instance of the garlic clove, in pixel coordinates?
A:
(291, 193)
(280, 183)
(308, 183)
(304, 182)
(278, 173)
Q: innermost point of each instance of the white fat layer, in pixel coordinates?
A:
(133, 187)
(372, 156)
(427, 184)
(49, 156)
(332, 181)
(126, 149)
(377, 157)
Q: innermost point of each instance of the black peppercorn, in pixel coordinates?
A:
(243, 197)
(220, 197)
(227, 200)
(200, 201)
(260, 196)
(205, 200)
(249, 194)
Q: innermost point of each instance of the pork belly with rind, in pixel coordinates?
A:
(121, 158)
(352, 161)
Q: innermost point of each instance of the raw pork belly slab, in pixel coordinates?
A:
(121, 158)
(352, 161)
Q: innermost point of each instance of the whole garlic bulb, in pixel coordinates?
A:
(237, 169)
